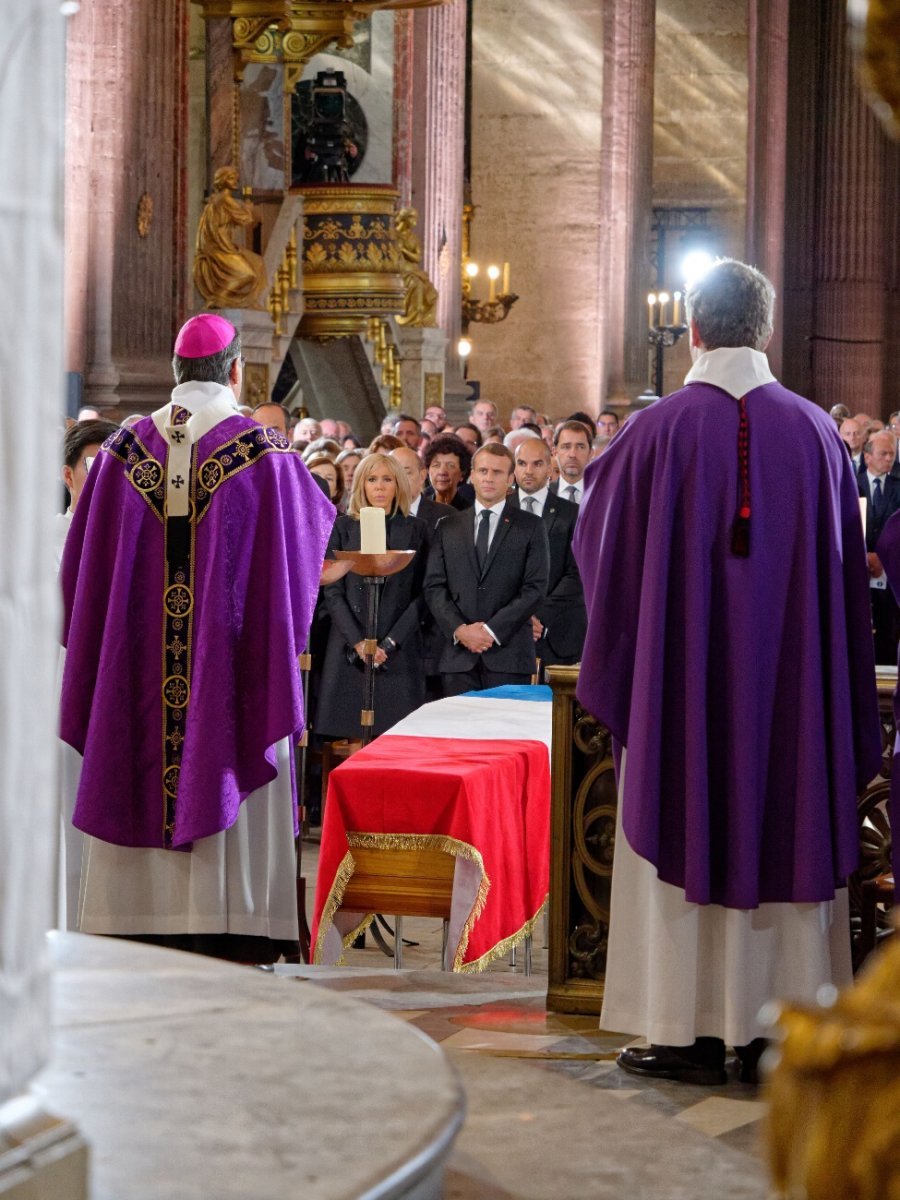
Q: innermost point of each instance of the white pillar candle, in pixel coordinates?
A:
(372, 531)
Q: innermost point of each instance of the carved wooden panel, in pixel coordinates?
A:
(583, 839)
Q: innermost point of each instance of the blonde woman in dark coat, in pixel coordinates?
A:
(379, 482)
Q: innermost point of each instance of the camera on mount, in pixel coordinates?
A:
(328, 135)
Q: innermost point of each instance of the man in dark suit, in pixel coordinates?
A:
(560, 621)
(882, 491)
(421, 506)
(572, 443)
(854, 436)
(487, 575)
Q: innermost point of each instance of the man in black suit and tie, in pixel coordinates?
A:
(560, 621)
(882, 491)
(572, 442)
(487, 575)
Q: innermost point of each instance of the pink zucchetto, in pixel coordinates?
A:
(204, 335)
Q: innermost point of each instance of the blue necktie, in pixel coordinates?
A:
(877, 498)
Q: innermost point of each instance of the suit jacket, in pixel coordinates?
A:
(890, 504)
(504, 595)
(431, 511)
(433, 640)
(562, 611)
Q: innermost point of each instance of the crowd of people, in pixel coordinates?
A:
(873, 450)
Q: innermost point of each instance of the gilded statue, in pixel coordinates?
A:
(420, 304)
(834, 1096)
(225, 274)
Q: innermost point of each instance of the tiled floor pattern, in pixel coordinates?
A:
(500, 1016)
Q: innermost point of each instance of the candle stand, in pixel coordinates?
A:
(332, 571)
(374, 569)
(661, 337)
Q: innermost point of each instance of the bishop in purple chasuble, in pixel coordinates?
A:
(189, 579)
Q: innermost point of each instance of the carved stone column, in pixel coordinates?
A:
(848, 329)
(626, 164)
(767, 149)
(439, 58)
(404, 104)
(125, 205)
(39, 1155)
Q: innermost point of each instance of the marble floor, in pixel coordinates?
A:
(551, 1116)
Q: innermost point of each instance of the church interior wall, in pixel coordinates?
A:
(537, 87)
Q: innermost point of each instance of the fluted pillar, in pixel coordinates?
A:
(404, 103)
(126, 149)
(767, 149)
(848, 323)
(39, 1155)
(626, 165)
(439, 58)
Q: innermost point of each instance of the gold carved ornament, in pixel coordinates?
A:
(293, 31)
(420, 302)
(226, 275)
(875, 26)
(351, 259)
(834, 1095)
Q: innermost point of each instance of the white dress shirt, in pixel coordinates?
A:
(493, 525)
(563, 490)
(539, 498)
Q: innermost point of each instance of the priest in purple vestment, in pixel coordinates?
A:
(729, 652)
(189, 579)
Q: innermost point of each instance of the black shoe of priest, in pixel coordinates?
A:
(684, 1064)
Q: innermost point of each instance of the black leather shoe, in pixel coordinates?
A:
(667, 1062)
(748, 1060)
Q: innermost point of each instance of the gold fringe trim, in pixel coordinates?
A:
(405, 841)
(415, 841)
(503, 948)
(332, 904)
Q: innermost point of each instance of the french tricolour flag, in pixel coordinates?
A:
(469, 775)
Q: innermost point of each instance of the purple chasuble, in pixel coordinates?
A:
(182, 635)
(888, 550)
(742, 687)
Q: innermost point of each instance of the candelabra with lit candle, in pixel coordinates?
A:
(496, 307)
(660, 334)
